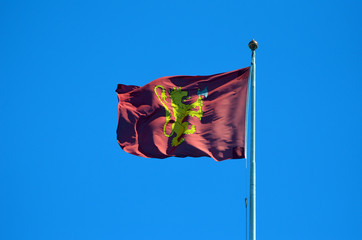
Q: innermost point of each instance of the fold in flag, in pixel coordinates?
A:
(184, 116)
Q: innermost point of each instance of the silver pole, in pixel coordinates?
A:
(253, 45)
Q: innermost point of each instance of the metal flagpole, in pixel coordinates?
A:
(253, 45)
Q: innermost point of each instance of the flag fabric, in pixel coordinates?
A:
(184, 116)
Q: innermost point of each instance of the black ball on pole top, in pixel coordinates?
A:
(253, 45)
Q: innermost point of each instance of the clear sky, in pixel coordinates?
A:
(63, 175)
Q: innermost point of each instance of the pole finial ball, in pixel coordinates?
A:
(253, 45)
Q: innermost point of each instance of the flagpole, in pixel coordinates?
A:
(253, 45)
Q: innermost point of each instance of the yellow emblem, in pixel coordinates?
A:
(180, 111)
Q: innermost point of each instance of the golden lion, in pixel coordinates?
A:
(180, 111)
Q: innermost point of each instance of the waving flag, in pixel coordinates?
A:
(185, 116)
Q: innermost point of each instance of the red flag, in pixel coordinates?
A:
(185, 116)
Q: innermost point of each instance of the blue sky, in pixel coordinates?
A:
(63, 175)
